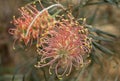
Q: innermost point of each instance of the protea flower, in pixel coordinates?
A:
(65, 47)
(31, 25)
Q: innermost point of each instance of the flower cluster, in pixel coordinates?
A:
(62, 44)
(64, 47)
(31, 26)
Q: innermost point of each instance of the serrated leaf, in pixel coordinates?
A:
(102, 48)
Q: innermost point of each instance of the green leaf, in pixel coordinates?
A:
(110, 1)
(92, 18)
(100, 38)
(106, 33)
(56, 13)
(90, 74)
(80, 74)
(95, 58)
(102, 48)
(93, 29)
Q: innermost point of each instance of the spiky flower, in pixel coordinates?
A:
(31, 25)
(62, 44)
(65, 47)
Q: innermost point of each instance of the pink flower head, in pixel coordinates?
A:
(65, 47)
(27, 27)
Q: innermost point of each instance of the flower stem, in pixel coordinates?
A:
(45, 9)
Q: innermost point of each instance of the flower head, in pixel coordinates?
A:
(64, 47)
(30, 25)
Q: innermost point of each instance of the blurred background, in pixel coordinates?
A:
(102, 14)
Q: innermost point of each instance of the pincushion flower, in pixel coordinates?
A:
(64, 47)
(29, 27)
